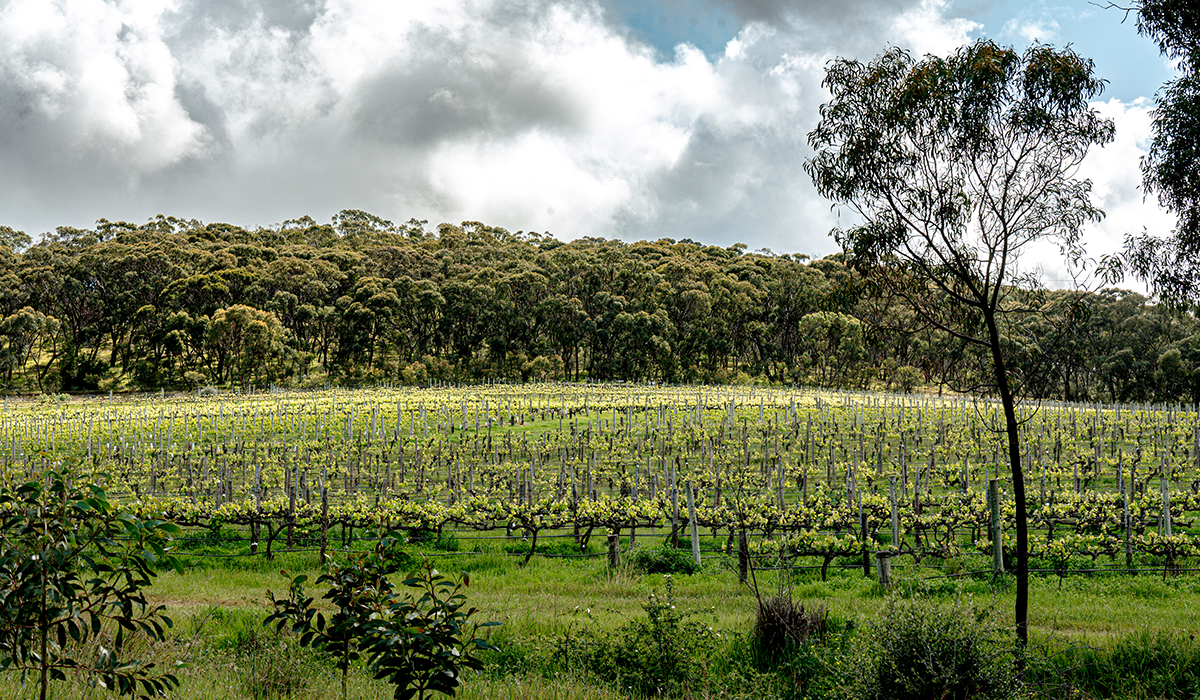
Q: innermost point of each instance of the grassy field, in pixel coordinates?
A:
(218, 608)
(548, 594)
(779, 463)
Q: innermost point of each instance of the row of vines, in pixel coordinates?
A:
(806, 472)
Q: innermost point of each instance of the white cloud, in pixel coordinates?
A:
(1117, 181)
(88, 80)
(1117, 190)
(1032, 24)
(924, 29)
(531, 116)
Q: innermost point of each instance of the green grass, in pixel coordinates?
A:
(1103, 625)
(545, 594)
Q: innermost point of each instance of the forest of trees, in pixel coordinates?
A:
(178, 304)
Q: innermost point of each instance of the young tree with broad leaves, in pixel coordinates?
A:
(956, 166)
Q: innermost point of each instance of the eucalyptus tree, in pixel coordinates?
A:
(1171, 168)
(956, 166)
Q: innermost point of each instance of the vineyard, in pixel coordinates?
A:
(814, 477)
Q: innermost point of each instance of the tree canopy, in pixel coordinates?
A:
(145, 306)
(957, 166)
(1171, 169)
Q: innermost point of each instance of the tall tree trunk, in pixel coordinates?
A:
(1014, 458)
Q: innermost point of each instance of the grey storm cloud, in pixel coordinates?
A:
(443, 92)
(535, 116)
(786, 14)
(194, 20)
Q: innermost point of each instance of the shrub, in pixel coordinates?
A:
(666, 654)
(73, 568)
(919, 649)
(419, 641)
(908, 378)
(662, 559)
(782, 624)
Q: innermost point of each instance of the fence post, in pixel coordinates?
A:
(883, 563)
(862, 522)
(1125, 523)
(743, 556)
(673, 476)
(994, 526)
(614, 549)
(1164, 486)
(895, 515)
(324, 516)
(692, 526)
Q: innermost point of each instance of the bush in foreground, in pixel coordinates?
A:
(919, 649)
(420, 640)
(73, 574)
(662, 559)
(664, 654)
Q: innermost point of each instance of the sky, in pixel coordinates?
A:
(631, 119)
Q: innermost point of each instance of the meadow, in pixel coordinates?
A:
(554, 497)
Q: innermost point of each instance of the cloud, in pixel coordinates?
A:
(529, 115)
(859, 28)
(87, 84)
(1029, 26)
(1117, 190)
(925, 29)
(1117, 181)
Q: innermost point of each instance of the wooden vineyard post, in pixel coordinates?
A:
(879, 445)
(324, 516)
(574, 505)
(883, 562)
(614, 549)
(674, 508)
(591, 489)
(255, 525)
(779, 482)
(1042, 460)
(994, 526)
(692, 526)
(743, 556)
(291, 491)
(966, 481)
(895, 514)
(1128, 525)
(862, 523)
(1121, 473)
(717, 471)
(1164, 487)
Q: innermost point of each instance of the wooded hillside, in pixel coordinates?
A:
(178, 304)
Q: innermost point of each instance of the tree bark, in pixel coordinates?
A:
(1008, 402)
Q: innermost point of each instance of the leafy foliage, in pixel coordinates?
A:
(73, 569)
(1139, 665)
(664, 655)
(419, 641)
(1171, 264)
(956, 165)
(358, 590)
(182, 304)
(919, 649)
(662, 559)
